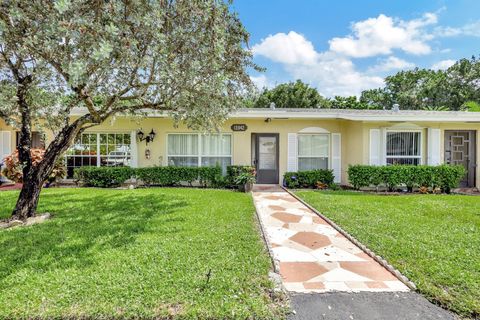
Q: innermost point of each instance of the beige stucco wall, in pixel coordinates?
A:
(355, 137)
(241, 140)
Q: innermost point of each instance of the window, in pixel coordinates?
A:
(192, 150)
(38, 140)
(313, 151)
(183, 150)
(99, 149)
(404, 147)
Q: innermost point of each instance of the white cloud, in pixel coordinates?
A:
(391, 63)
(331, 73)
(291, 48)
(335, 75)
(260, 81)
(443, 64)
(470, 29)
(381, 35)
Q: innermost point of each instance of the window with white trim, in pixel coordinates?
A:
(194, 149)
(313, 151)
(403, 147)
(99, 149)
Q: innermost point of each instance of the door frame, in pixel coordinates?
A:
(471, 177)
(257, 136)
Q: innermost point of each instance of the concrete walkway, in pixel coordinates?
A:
(310, 254)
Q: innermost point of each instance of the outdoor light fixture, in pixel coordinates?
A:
(149, 138)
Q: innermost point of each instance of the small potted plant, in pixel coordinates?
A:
(245, 181)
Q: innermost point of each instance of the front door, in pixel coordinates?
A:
(266, 157)
(460, 149)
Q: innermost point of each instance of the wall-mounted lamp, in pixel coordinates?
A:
(149, 138)
(268, 120)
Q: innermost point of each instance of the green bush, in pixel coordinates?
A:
(106, 177)
(450, 176)
(360, 176)
(103, 177)
(211, 176)
(171, 176)
(445, 177)
(234, 171)
(308, 179)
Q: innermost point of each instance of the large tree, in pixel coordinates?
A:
(291, 95)
(184, 57)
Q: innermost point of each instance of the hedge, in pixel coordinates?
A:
(308, 179)
(105, 177)
(444, 177)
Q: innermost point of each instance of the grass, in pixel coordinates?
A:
(432, 239)
(141, 253)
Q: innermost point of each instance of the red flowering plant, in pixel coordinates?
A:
(14, 170)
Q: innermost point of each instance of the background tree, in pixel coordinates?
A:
(351, 102)
(425, 89)
(184, 57)
(291, 95)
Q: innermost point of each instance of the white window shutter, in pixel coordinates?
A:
(383, 146)
(5, 144)
(292, 152)
(337, 156)
(133, 149)
(433, 143)
(375, 147)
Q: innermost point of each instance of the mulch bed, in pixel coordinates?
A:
(16, 186)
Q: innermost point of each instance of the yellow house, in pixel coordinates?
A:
(280, 140)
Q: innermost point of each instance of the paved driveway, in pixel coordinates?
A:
(365, 306)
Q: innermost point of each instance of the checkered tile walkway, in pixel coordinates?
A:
(311, 254)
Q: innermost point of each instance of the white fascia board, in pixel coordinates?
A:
(396, 117)
(354, 115)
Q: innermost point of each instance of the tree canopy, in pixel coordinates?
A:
(187, 58)
(290, 95)
(456, 88)
(452, 89)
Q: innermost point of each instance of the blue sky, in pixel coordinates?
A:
(345, 46)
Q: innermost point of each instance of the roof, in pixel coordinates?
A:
(343, 114)
(360, 115)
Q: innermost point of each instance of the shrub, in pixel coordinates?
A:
(172, 176)
(161, 176)
(245, 178)
(449, 177)
(103, 177)
(360, 176)
(13, 168)
(444, 177)
(391, 176)
(308, 179)
(234, 171)
(210, 176)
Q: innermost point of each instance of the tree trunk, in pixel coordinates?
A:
(35, 176)
(28, 199)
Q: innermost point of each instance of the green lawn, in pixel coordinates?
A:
(136, 254)
(432, 239)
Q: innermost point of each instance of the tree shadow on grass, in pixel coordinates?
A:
(84, 226)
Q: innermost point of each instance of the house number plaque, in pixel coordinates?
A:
(239, 127)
